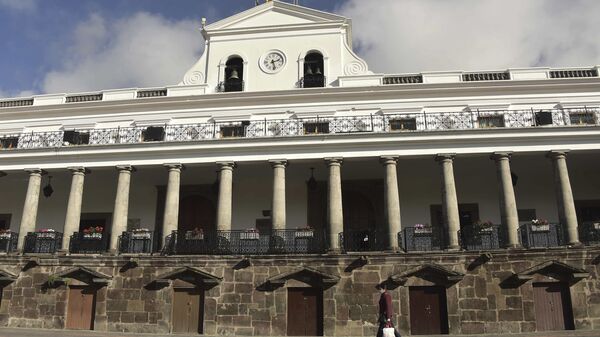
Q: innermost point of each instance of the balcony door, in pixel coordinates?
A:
(196, 211)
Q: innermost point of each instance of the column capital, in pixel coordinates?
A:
(500, 155)
(226, 165)
(388, 160)
(174, 166)
(334, 161)
(79, 170)
(278, 163)
(34, 171)
(442, 157)
(125, 168)
(555, 154)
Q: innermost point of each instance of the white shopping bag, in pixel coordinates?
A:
(388, 332)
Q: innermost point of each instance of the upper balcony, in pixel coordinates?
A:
(294, 127)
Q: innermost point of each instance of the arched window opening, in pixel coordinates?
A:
(234, 74)
(313, 71)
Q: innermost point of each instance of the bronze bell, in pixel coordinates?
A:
(308, 71)
(234, 75)
(318, 72)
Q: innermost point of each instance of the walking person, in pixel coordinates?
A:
(386, 311)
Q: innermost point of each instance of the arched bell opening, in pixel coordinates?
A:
(234, 74)
(314, 71)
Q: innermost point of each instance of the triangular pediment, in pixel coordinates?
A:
(274, 13)
(189, 275)
(305, 275)
(553, 269)
(82, 274)
(431, 272)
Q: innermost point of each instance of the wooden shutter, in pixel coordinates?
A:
(81, 308)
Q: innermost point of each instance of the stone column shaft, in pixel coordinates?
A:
(564, 196)
(73, 216)
(392, 201)
(121, 209)
(171, 214)
(30, 207)
(278, 212)
(335, 213)
(449, 200)
(508, 204)
(224, 208)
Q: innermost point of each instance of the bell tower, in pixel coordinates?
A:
(276, 46)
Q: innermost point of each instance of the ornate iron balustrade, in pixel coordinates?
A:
(8, 241)
(413, 122)
(139, 242)
(589, 233)
(363, 241)
(240, 242)
(541, 236)
(95, 243)
(422, 239)
(42, 242)
(480, 238)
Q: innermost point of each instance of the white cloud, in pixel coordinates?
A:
(21, 5)
(143, 50)
(422, 35)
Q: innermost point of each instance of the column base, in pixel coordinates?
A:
(394, 250)
(334, 251)
(453, 248)
(575, 244)
(512, 246)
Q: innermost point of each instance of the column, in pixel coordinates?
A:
(508, 205)
(121, 209)
(171, 214)
(449, 200)
(30, 208)
(335, 214)
(74, 205)
(392, 201)
(564, 196)
(278, 206)
(225, 195)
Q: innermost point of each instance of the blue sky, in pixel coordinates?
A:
(80, 45)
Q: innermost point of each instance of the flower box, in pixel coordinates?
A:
(141, 235)
(46, 233)
(540, 228)
(305, 234)
(5, 235)
(249, 236)
(93, 236)
(194, 235)
(423, 230)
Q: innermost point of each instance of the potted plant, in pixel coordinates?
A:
(539, 225)
(5, 233)
(422, 228)
(195, 234)
(484, 226)
(305, 232)
(93, 232)
(46, 233)
(250, 234)
(140, 233)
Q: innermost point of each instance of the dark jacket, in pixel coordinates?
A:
(385, 306)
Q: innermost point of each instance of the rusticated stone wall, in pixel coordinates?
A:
(485, 297)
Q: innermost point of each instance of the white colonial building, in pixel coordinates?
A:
(281, 141)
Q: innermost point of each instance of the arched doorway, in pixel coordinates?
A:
(196, 212)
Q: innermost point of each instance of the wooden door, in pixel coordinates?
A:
(305, 312)
(197, 211)
(553, 309)
(428, 311)
(468, 215)
(81, 308)
(188, 311)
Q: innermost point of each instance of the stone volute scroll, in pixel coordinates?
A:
(426, 275)
(303, 276)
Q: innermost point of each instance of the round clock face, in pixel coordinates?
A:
(272, 62)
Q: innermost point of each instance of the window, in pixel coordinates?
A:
(543, 117)
(313, 71)
(526, 215)
(490, 121)
(234, 74)
(403, 124)
(230, 131)
(316, 127)
(154, 134)
(582, 118)
(75, 138)
(9, 143)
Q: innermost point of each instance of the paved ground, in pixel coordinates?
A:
(9, 332)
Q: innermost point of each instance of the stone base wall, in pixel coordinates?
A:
(483, 301)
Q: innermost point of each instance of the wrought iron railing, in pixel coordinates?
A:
(376, 123)
(589, 233)
(480, 238)
(541, 236)
(423, 239)
(43, 242)
(363, 241)
(8, 241)
(138, 242)
(82, 243)
(240, 242)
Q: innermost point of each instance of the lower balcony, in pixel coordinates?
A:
(136, 242)
(43, 242)
(242, 242)
(478, 237)
(541, 236)
(88, 243)
(8, 241)
(422, 239)
(589, 233)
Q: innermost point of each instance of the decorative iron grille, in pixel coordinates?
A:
(541, 236)
(480, 238)
(42, 242)
(423, 239)
(363, 241)
(589, 233)
(8, 241)
(139, 242)
(94, 243)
